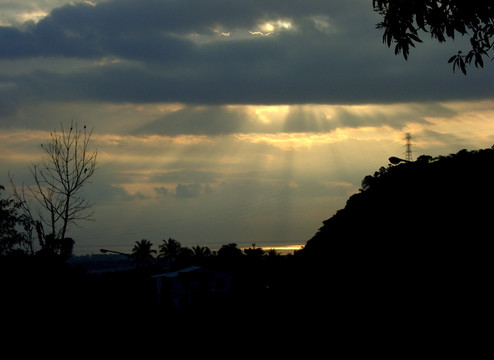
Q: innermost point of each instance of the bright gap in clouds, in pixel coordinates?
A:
(20, 12)
(271, 27)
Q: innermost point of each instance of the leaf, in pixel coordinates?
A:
(460, 27)
(478, 60)
(463, 67)
(456, 63)
(451, 59)
(397, 49)
(415, 38)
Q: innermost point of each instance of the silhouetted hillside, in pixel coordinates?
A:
(417, 236)
(440, 201)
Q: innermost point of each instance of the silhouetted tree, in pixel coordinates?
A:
(253, 251)
(273, 253)
(185, 257)
(57, 247)
(201, 252)
(59, 179)
(142, 254)
(11, 239)
(170, 248)
(169, 251)
(442, 19)
(229, 251)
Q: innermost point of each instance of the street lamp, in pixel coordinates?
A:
(104, 251)
(396, 160)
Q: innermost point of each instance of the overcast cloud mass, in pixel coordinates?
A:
(226, 121)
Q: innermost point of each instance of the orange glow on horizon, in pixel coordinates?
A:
(283, 249)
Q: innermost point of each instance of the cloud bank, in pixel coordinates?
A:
(223, 52)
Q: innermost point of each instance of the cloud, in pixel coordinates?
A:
(104, 193)
(432, 137)
(130, 28)
(16, 13)
(186, 175)
(187, 191)
(168, 51)
(396, 115)
(301, 119)
(222, 120)
(198, 121)
(161, 191)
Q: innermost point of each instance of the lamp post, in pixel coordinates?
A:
(396, 160)
(104, 251)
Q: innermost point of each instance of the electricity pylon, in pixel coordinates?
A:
(408, 147)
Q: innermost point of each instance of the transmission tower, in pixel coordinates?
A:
(408, 147)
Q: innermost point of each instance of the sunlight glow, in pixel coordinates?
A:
(270, 27)
(283, 248)
(294, 141)
(222, 33)
(34, 16)
(108, 61)
(270, 114)
(22, 146)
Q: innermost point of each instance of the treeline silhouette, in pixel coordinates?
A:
(172, 255)
(414, 242)
(126, 279)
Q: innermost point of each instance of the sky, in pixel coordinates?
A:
(218, 122)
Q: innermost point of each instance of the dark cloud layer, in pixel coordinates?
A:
(198, 121)
(169, 51)
(221, 120)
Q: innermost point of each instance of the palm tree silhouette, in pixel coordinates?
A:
(142, 254)
(201, 251)
(169, 251)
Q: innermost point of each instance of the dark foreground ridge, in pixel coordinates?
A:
(416, 241)
(436, 201)
(413, 247)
